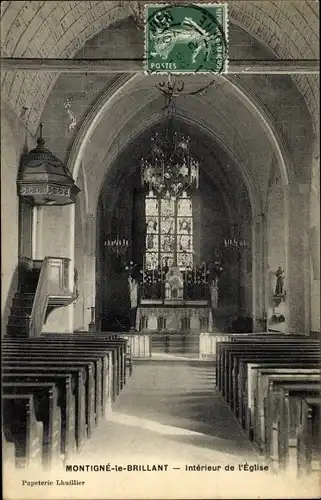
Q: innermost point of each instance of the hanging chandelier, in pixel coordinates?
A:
(169, 169)
(116, 246)
(235, 244)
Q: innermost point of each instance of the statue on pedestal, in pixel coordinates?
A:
(133, 291)
(214, 292)
(279, 287)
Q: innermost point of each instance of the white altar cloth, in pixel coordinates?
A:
(195, 319)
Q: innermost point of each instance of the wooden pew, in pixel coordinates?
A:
(17, 355)
(47, 411)
(78, 374)
(242, 391)
(222, 346)
(309, 436)
(237, 380)
(119, 357)
(110, 347)
(290, 416)
(98, 348)
(226, 350)
(239, 361)
(279, 438)
(91, 341)
(67, 401)
(76, 344)
(260, 390)
(236, 374)
(55, 352)
(246, 340)
(63, 360)
(21, 427)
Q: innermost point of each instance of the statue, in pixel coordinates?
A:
(214, 292)
(133, 292)
(279, 288)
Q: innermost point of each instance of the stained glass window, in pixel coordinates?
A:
(169, 235)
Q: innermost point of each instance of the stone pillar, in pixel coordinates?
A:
(258, 278)
(314, 238)
(37, 233)
(297, 269)
(138, 235)
(197, 236)
(242, 274)
(89, 286)
(55, 237)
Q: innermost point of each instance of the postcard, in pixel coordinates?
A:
(160, 222)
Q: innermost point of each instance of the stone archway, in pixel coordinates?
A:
(108, 105)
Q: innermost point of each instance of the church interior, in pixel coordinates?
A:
(160, 249)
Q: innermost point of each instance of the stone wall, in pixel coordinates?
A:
(13, 137)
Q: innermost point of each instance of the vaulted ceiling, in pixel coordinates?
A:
(55, 29)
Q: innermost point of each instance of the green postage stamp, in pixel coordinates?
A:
(186, 38)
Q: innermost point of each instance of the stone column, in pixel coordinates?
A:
(314, 238)
(37, 233)
(297, 269)
(197, 231)
(89, 267)
(258, 278)
(55, 237)
(242, 274)
(138, 235)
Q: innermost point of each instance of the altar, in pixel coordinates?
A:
(167, 304)
(190, 317)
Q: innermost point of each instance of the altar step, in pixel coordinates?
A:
(175, 343)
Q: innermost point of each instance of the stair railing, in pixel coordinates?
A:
(52, 290)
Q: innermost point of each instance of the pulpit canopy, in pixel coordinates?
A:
(44, 179)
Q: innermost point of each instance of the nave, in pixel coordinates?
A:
(148, 214)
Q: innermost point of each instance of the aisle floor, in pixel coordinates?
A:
(170, 410)
(170, 417)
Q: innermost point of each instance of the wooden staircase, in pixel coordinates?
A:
(44, 284)
(20, 314)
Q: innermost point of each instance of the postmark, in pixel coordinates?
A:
(186, 38)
